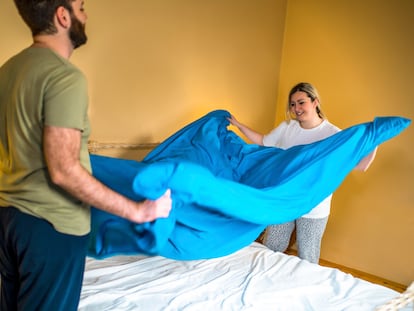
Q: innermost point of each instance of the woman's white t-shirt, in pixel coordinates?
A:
(289, 134)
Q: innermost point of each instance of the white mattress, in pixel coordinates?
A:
(254, 278)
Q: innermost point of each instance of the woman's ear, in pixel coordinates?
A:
(63, 17)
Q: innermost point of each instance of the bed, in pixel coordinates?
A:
(252, 278)
(188, 261)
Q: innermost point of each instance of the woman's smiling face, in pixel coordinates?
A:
(302, 106)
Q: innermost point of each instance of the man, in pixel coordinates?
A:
(46, 186)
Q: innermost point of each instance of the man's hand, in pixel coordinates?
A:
(149, 210)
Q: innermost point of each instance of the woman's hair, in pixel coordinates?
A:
(39, 14)
(312, 93)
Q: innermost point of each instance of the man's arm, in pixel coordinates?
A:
(62, 148)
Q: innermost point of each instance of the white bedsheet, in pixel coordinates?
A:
(253, 278)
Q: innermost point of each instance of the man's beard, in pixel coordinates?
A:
(77, 32)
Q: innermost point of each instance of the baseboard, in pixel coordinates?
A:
(358, 274)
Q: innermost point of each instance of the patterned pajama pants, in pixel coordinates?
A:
(309, 232)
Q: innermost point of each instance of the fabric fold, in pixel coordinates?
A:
(225, 191)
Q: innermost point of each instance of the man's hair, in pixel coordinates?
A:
(39, 14)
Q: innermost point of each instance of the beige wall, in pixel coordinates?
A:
(155, 65)
(359, 54)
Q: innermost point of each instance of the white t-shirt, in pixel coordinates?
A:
(289, 134)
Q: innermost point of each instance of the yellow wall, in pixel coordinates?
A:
(359, 54)
(155, 65)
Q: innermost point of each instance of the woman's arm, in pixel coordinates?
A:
(365, 163)
(252, 135)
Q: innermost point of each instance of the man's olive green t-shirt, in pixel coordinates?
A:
(39, 88)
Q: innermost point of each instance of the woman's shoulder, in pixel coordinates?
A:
(291, 123)
(329, 127)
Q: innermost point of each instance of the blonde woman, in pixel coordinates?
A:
(306, 124)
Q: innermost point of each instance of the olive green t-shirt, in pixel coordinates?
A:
(37, 88)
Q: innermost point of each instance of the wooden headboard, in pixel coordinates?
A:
(121, 150)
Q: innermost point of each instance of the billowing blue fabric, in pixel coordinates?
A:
(225, 191)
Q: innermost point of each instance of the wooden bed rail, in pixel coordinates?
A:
(95, 146)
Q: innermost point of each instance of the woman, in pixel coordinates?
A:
(306, 124)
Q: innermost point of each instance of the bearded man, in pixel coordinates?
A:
(46, 186)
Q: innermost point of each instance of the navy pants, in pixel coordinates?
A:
(41, 269)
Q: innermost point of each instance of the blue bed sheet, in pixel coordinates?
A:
(224, 190)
